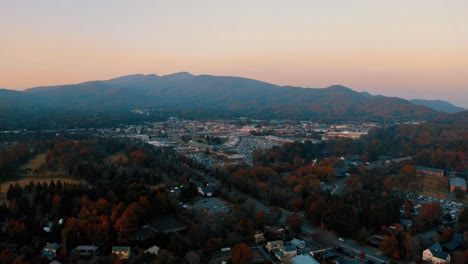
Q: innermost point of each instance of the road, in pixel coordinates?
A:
(377, 257)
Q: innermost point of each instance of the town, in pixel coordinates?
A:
(207, 200)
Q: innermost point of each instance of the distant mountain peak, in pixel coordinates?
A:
(339, 88)
(178, 76)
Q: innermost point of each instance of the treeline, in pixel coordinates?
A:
(40, 119)
(443, 146)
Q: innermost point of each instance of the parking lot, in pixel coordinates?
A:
(211, 204)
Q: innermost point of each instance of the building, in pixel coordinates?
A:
(122, 253)
(406, 223)
(86, 250)
(285, 252)
(153, 250)
(259, 237)
(299, 244)
(277, 244)
(457, 182)
(303, 259)
(51, 250)
(426, 171)
(435, 255)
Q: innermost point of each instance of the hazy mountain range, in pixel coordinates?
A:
(219, 96)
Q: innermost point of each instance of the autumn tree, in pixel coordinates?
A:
(127, 224)
(405, 243)
(261, 219)
(408, 171)
(429, 216)
(390, 246)
(241, 254)
(294, 221)
(408, 207)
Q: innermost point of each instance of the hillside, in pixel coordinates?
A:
(439, 105)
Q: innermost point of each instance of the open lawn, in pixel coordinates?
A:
(434, 186)
(35, 162)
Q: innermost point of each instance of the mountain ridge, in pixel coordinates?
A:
(439, 105)
(207, 95)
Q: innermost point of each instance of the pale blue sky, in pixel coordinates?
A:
(411, 49)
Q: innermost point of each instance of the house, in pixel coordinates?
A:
(274, 232)
(121, 252)
(299, 244)
(428, 238)
(259, 237)
(289, 251)
(435, 255)
(453, 244)
(303, 259)
(285, 252)
(406, 223)
(51, 250)
(277, 244)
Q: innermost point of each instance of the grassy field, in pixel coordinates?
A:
(46, 176)
(434, 186)
(35, 162)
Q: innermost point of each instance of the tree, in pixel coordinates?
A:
(459, 193)
(408, 207)
(362, 236)
(390, 246)
(241, 254)
(405, 242)
(294, 222)
(246, 229)
(429, 216)
(409, 171)
(261, 219)
(127, 225)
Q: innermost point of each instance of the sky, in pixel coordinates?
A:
(410, 49)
